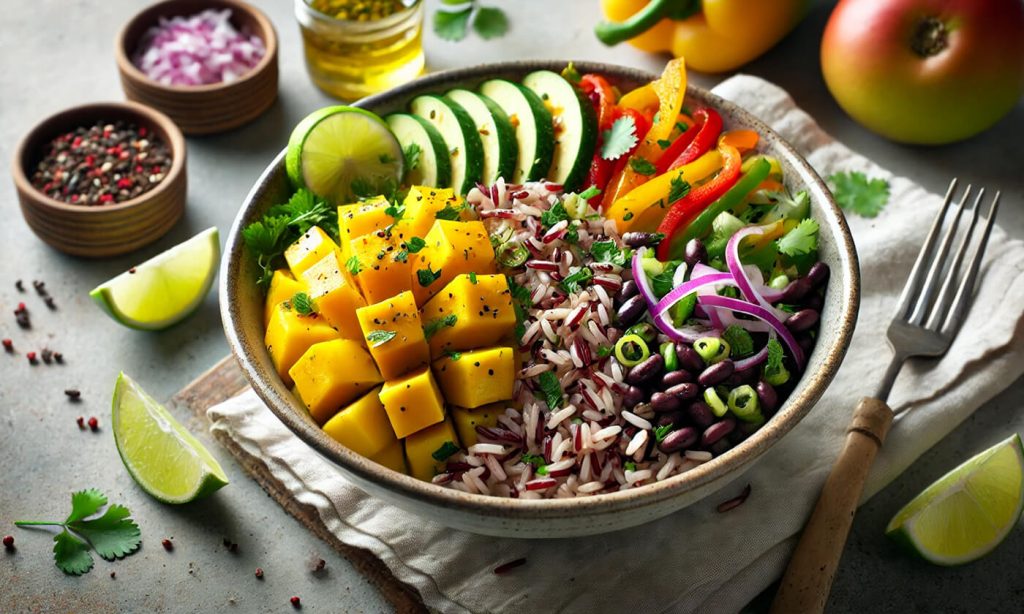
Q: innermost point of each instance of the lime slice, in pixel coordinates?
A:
(341, 153)
(969, 511)
(165, 459)
(166, 288)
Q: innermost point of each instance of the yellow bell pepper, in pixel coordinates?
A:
(713, 35)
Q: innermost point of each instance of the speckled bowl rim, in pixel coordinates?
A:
(41, 131)
(795, 408)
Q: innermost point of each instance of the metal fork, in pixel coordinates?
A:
(930, 312)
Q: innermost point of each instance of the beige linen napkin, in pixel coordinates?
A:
(697, 559)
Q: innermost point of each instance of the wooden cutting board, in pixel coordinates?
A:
(224, 381)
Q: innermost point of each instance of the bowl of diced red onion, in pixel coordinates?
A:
(210, 65)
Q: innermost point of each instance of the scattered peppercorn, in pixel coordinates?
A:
(296, 602)
(113, 575)
(58, 357)
(320, 565)
(102, 164)
(94, 424)
(231, 546)
(167, 544)
(81, 422)
(9, 542)
(32, 358)
(131, 271)
(46, 355)
(259, 573)
(19, 285)
(40, 287)
(48, 300)
(8, 345)
(73, 393)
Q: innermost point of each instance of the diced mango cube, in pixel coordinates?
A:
(383, 269)
(482, 310)
(335, 295)
(290, 334)
(307, 250)
(331, 374)
(413, 402)
(393, 457)
(466, 420)
(427, 450)
(478, 377)
(452, 248)
(358, 219)
(393, 332)
(363, 426)
(283, 286)
(421, 207)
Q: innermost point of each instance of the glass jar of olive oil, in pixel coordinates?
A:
(355, 48)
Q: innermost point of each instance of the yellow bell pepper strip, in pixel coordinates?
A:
(713, 35)
(687, 221)
(630, 211)
(671, 89)
(643, 98)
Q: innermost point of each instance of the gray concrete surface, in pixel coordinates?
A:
(58, 53)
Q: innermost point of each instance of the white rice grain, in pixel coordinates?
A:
(700, 456)
(636, 421)
(487, 448)
(638, 442)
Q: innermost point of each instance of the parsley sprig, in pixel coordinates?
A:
(113, 535)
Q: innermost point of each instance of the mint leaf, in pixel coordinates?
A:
(856, 193)
(303, 304)
(113, 535)
(490, 22)
(619, 139)
(740, 342)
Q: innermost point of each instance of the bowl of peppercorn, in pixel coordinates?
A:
(101, 179)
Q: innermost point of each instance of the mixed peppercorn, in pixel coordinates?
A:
(102, 164)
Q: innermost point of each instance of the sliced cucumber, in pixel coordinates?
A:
(431, 167)
(496, 134)
(465, 150)
(532, 123)
(575, 127)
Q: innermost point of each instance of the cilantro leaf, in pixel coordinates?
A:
(395, 211)
(521, 301)
(532, 459)
(411, 154)
(430, 328)
(679, 188)
(452, 354)
(449, 213)
(605, 351)
(740, 342)
(380, 337)
(629, 466)
(661, 432)
(577, 279)
(618, 140)
(801, 240)
(85, 503)
(856, 193)
(268, 237)
(446, 451)
(472, 278)
(542, 470)
(490, 22)
(607, 251)
(452, 26)
(415, 244)
(353, 265)
(642, 166)
(113, 535)
(664, 143)
(71, 554)
(401, 256)
(550, 390)
(303, 304)
(552, 216)
(427, 276)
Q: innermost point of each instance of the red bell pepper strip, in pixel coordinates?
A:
(690, 206)
(682, 141)
(601, 94)
(710, 128)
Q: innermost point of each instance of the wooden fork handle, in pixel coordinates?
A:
(808, 578)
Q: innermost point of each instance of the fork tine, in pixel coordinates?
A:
(938, 263)
(941, 306)
(963, 293)
(914, 281)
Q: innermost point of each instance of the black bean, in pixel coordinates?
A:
(818, 274)
(802, 320)
(689, 358)
(716, 373)
(679, 440)
(628, 290)
(684, 391)
(767, 397)
(633, 396)
(641, 239)
(814, 301)
(675, 418)
(631, 311)
(738, 378)
(806, 343)
(700, 414)
(679, 376)
(717, 431)
(664, 402)
(720, 447)
(694, 252)
(646, 371)
(796, 291)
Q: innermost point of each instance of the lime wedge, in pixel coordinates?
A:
(341, 153)
(969, 511)
(165, 459)
(166, 288)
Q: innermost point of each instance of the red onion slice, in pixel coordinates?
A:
(760, 313)
(743, 282)
(750, 361)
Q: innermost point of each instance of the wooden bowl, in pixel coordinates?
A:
(102, 230)
(202, 109)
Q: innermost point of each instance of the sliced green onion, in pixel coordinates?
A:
(779, 282)
(712, 349)
(668, 352)
(631, 350)
(512, 254)
(776, 377)
(715, 402)
(644, 330)
(744, 403)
